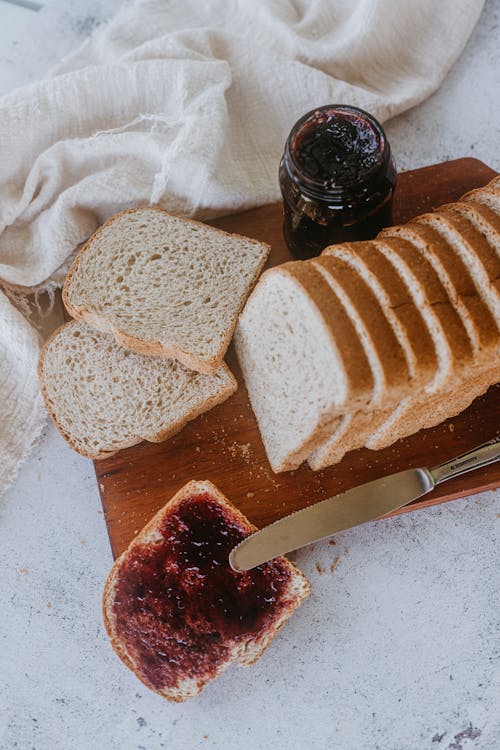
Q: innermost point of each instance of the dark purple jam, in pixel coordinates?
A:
(337, 177)
(179, 606)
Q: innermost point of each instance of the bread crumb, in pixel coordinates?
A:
(334, 564)
(451, 427)
(198, 449)
(23, 571)
(49, 605)
(319, 568)
(240, 450)
(101, 487)
(250, 494)
(332, 542)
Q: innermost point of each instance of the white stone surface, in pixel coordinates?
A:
(394, 650)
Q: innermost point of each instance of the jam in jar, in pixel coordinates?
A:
(337, 178)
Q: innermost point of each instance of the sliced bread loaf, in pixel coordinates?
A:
(414, 337)
(452, 395)
(103, 397)
(384, 352)
(163, 285)
(473, 250)
(176, 613)
(404, 315)
(452, 344)
(301, 372)
(436, 240)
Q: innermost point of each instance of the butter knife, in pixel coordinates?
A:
(356, 506)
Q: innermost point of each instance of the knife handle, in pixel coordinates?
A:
(485, 454)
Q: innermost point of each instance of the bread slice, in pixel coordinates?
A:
(163, 285)
(468, 379)
(452, 344)
(432, 289)
(103, 397)
(488, 196)
(404, 315)
(485, 221)
(413, 335)
(301, 372)
(387, 359)
(469, 247)
(176, 613)
(437, 241)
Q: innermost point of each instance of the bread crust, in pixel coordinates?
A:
(188, 490)
(158, 437)
(155, 348)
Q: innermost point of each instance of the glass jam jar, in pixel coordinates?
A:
(337, 177)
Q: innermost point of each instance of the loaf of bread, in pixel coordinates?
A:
(175, 611)
(163, 285)
(103, 397)
(417, 337)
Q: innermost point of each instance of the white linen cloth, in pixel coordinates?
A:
(187, 104)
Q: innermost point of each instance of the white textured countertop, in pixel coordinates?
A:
(394, 650)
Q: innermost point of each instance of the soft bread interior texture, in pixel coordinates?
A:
(104, 397)
(287, 357)
(164, 285)
(245, 650)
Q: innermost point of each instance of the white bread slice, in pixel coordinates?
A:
(163, 285)
(301, 372)
(103, 397)
(387, 359)
(176, 613)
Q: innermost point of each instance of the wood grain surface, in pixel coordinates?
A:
(224, 445)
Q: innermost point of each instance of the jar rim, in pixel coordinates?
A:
(317, 188)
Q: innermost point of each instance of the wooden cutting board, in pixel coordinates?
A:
(224, 445)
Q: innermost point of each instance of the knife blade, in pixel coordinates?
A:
(330, 516)
(356, 506)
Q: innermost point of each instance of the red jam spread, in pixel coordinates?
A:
(337, 178)
(179, 606)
